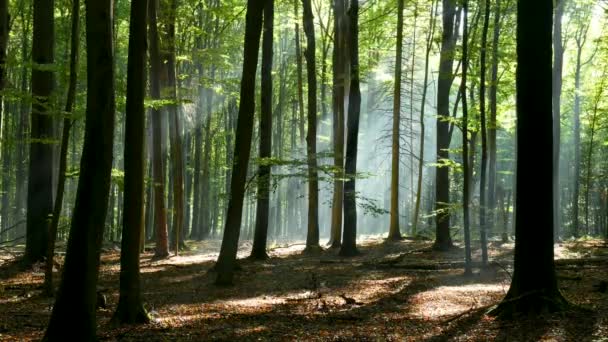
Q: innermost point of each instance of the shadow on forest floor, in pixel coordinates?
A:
(389, 292)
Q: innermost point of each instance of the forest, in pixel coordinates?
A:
(304, 170)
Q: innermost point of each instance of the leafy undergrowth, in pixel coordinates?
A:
(389, 292)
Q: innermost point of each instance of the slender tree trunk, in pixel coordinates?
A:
(349, 237)
(443, 239)
(429, 45)
(558, 65)
(534, 287)
(312, 238)
(158, 171)
(40, 176)
(264, 177)
(4, 30)
(242, 146)
(484, 139)
(394, 232)
(492, 123)
(63, 156)
(300, 72)
(73, 316)
(340, 64)
(465, 144)
(130, 308)
(22, 134)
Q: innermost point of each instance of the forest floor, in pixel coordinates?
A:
(401, 291)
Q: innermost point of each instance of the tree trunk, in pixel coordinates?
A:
(40, 176)
(443, 239)
(534, 286)
(394, 233)
(558, 65)
(73, 316)
(242, 146)
(429, 45)
(158, 171)
(484, 139)
(4, 30)
(300, 73)
(312, 238)
(492, 124)
(340, 65)
(65, 136)
(349, 237)
(465, 146)
(130, 308)
(264, 177)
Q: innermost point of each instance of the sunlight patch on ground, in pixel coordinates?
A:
(443, 301)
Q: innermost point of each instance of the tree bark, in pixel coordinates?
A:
(130, 308)
(65, 136)
(465, 142)
(340, 65)
(242, 146)
(73, 316)
(264, 176)
(483, 240)
(443, 239)
(40, 175)
(349, 237)
(534, 286)
(394, 232)
(158, 171)
(312, 237)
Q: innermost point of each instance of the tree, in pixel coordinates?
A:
(465, 141)
(484, 139)
(492, 122)
(130, 308)
(158, 171)
(429, 45)
(73, 314)
(4, 30)
(340, 65)
(349, 237)
(394, 233)
(242, 144)
(65, 136)
(312, 238)
(261, 224)
(534, 285)
(40, 175)
(443, 240)
(558, 66)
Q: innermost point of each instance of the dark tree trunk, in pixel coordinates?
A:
(492, 124)
(534, 286)
(558, 65)
(465, 141)
(484, 139)
(130, 308)
(158, 171)
(242, 146)
(73, 316)
(63, 156)
(429, 45)
(349, 237)
(443, 240)
(262, 210)
(312, 238)
(340, 65)
(4, 30)
(40, 176)
(394, 233)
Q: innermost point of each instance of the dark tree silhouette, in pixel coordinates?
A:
(443, 240)
(534, 285)
(130, 308)
(40, 176)
(349, 237)
(261, 223)
(73, 316)
(242, 144)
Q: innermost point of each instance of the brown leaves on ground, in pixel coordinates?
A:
(297, 297)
